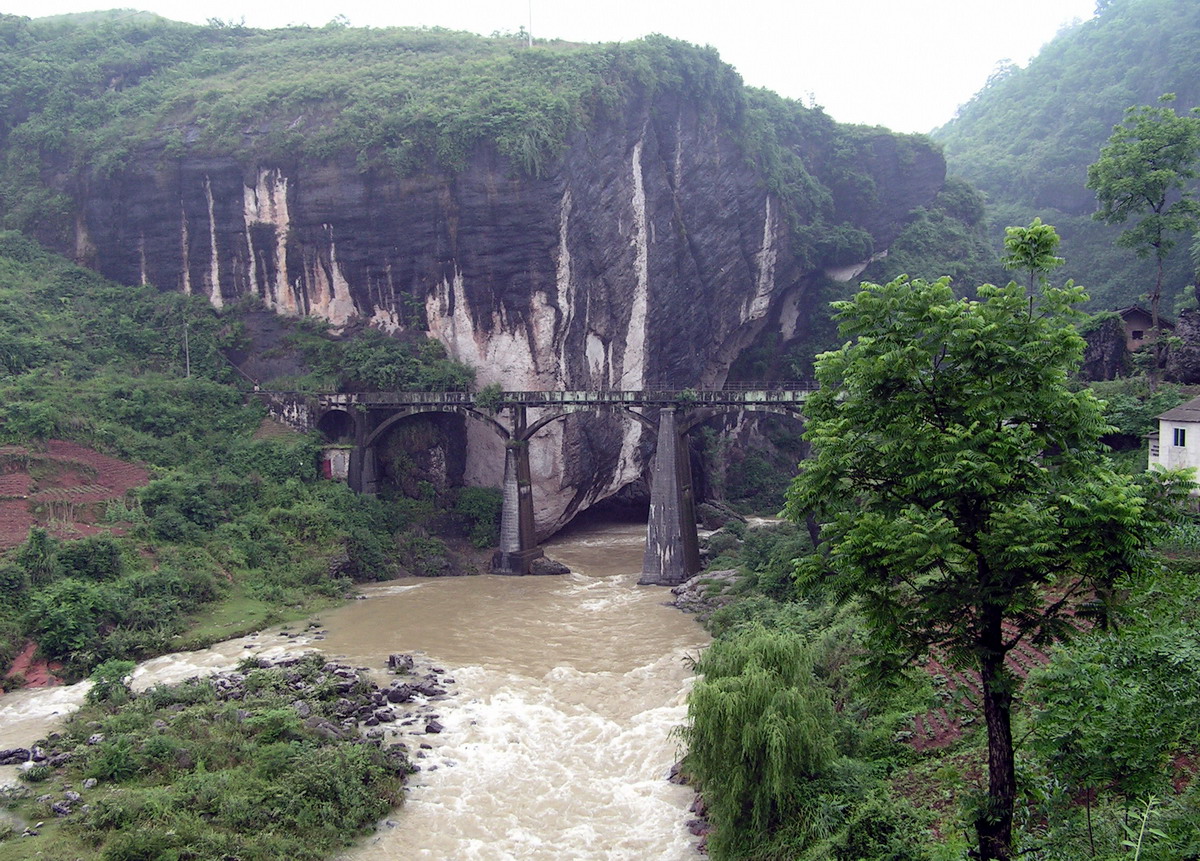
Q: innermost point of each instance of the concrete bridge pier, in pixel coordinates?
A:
(363, 472)
(672, 545)
(518, 541)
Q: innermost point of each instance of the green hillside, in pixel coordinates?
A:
(1027, 138)
(233, 530)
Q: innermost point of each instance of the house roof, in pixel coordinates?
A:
(1126, 313)
(1189, 412)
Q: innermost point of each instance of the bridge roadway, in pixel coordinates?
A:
(672, 546)
(732, 396)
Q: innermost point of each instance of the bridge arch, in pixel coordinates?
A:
(698, 416)
(545, 420)
(337, 425)
(384, 426)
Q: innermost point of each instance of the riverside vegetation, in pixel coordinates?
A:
(967, 505)
(232, 532)
(258, 764)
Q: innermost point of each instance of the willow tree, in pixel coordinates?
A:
(759, 732)
(966, 498)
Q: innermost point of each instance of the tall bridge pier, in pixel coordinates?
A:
(672, 546)
(518, 541)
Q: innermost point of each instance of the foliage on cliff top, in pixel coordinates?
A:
(95, 96)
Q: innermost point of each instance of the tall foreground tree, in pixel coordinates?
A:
(1145, 171)
(966, 497)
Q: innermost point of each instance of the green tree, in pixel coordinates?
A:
(759, 733)
(1144, 171)
(959, 478)
(1031, 249)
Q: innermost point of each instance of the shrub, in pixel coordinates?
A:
(110, 683)
(481, 507)
(65, 617)
(759, 735)
(97, 558)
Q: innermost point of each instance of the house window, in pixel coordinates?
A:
(1179, 437)
(1138, 334)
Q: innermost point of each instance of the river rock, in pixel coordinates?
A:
(707, 591)
(429, 688)
(434, 727)
(14, 756)
(714, 515)
(399, 694)
(324, 727)
(400, 663)
(545, 566)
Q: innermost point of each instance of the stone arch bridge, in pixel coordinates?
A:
(672, 547)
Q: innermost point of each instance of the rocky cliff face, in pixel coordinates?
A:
(649, 255)
(1183, 356)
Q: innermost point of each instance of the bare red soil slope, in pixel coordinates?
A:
(66, 488)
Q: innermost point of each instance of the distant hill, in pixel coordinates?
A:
(1027, 138)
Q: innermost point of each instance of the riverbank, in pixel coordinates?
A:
(280, 757)
(559, 731)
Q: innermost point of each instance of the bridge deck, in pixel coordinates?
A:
(791, 393)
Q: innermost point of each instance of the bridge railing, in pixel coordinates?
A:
(731, 394)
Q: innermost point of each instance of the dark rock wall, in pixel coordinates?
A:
(1105, 356)
(1183, 358)
(651, 254)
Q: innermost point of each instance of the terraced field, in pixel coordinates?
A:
(64, 487)
(961, 696)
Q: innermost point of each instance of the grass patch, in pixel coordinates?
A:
(239, 613)
(259, 764)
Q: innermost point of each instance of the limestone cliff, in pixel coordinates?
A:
(650, 250)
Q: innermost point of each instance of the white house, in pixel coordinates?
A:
(1177, 443)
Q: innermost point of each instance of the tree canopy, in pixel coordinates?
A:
(966, 498)
(1027, 138)
(1145, 172)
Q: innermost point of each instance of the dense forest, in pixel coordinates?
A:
(1026, 140)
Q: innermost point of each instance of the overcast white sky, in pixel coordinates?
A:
(905, 64)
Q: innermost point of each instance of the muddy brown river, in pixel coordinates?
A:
(558, 736)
